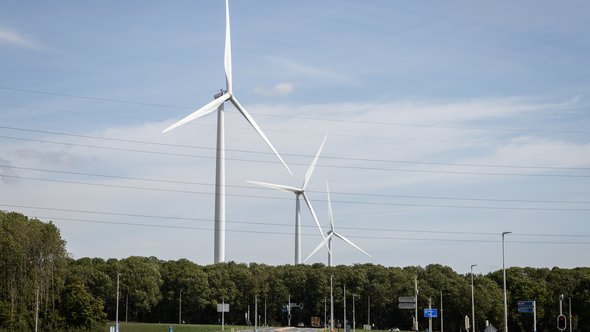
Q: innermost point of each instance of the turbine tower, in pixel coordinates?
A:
(331, 234)
(300, 191)
(217, 104)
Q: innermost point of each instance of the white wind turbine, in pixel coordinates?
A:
(217, 104)
(300, 191)
(331, 234)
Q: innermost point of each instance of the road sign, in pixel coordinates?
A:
(430, 313)
(525, 303)
(222, 307)
(526, 310)
(467, 325)
(406, 305)
(406, 299)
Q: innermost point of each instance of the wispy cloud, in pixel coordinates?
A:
(297, 68)
(51, 157)
(7, 173)
(15, 38)
(281, 89)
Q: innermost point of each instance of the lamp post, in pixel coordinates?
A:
(117, 307)
(504, 272)
(344, 307)
(331, 305)
(472, 300)
(180, 308)
(353, 315)
(570, 311)
(442, 322)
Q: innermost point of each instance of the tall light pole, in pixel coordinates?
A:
(504, 272)
(344, 307)
(472, 300)
(353, 315)
(117, 307)
(180, 308)
(442, 321)
(570, 311)
(331, 305)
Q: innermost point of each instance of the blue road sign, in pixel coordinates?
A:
(430, 313)
(525, 310)
(525, 303)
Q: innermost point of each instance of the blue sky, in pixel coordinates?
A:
(447, 122)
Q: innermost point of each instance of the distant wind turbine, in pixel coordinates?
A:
(217, 104)
(331, 234)
(300, 191)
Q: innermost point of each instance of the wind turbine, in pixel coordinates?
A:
(217, 104)
(331, 234)
(300, 191)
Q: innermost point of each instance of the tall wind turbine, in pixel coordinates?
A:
(217, 104)
(300, 191)
(331, 234)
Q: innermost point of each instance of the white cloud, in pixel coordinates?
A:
(298, 69)
(18, 39)
(281, 89)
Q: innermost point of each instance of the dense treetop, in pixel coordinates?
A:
(35, 268)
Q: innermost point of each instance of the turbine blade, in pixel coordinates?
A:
(257, 128)
(317, 248)
(210, 107)
(276, 186)
(313, 163)
(330, 215)
(343, 238)
(315, 218)
(227, 60)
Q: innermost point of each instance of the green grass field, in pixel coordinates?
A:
(152, 327)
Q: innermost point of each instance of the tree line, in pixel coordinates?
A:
(40, 284)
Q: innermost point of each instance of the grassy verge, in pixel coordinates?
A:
(154, 327)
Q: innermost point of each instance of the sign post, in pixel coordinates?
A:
(408, 302)
(529, 307)
(223, 308)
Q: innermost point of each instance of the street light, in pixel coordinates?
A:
(472, 300)
(442, 321)
(570, 311)
(504, 272)
(353, 315)
(117, 307)
(331, 305)
(180, 308)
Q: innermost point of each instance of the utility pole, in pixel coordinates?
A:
(255, 312)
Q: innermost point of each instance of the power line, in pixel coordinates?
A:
(268, 153)
(147, 216)
(300, 164)
(422, 139)
(297, 117)
(315, 235)
(284, 198)
(310, 191)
